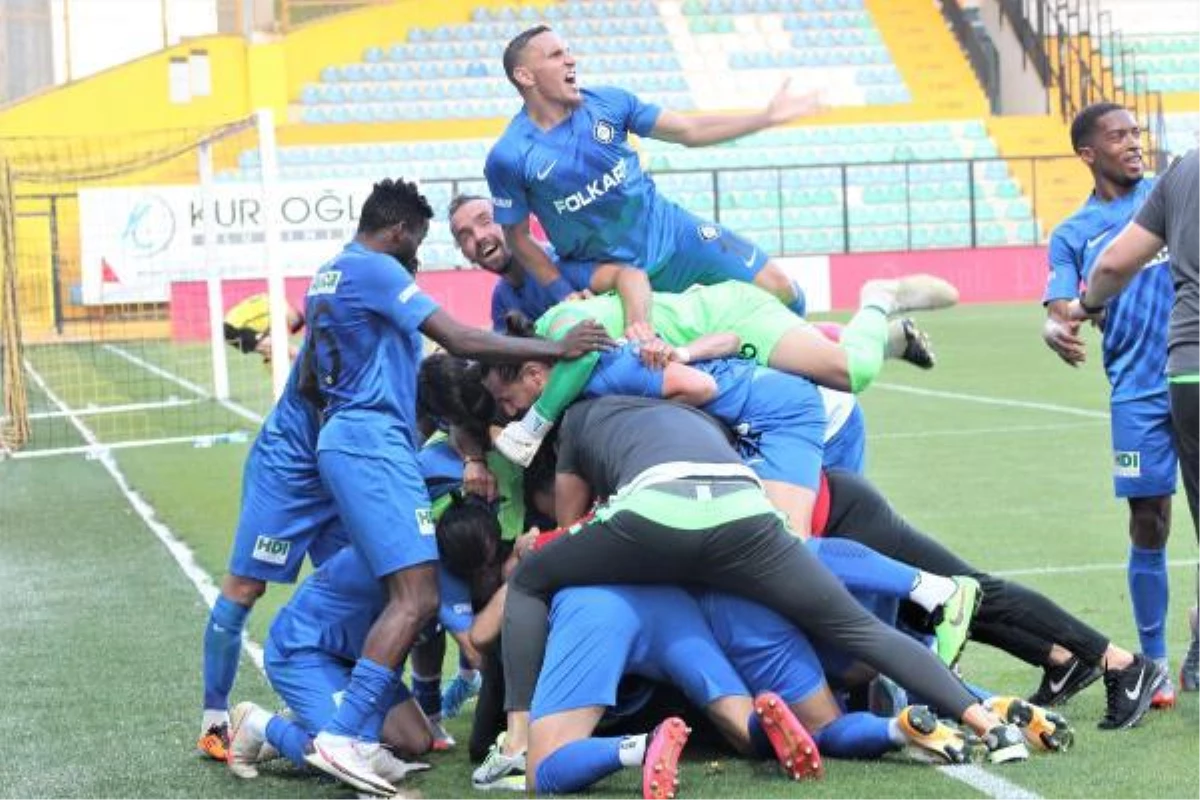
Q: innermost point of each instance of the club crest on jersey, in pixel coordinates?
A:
(1127, 464)
(708, 232)
(325, 283)
(271, 551)
(604, 132)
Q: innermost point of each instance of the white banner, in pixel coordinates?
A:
(135, 242)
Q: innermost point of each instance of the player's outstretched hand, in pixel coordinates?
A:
(786, 106)
(656, 353)
(585, 337)
(479, 480)
(1063, 338)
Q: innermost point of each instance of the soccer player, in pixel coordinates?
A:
(247, 326)
(683, 508)
(365, 319)
(566, 158)
(1107, 139)
(770, 335)
(309, 655)
(1169, 217)
(285, 513)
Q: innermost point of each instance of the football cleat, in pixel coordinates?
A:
(1130, 691)
(794, 747)
(660, 767)
(931, 741)
(214, 742)
(1044, 730)
(500, 772)
(918, 350)
(911, 293)
(954, 628)
(245, 744)
(1164, 695)
(349, 760)
(458, 693)
(1005, 743)
(1061, 683)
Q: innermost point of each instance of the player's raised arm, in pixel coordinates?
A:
(706, 129)
(532, 256)
(467, 342)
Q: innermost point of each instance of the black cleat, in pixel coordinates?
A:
(1130, 691)
(1061, 683)
(918, 350)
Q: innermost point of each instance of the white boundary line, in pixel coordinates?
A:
(93, 451)
(989, 783)
(984, 431)
(154, 369)
(1077, 568)
(994, 401)
(174, 402)
(179, 551)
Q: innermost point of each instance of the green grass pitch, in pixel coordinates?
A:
(1002, 452)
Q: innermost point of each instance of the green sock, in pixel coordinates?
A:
(566, 381)
(865, 341)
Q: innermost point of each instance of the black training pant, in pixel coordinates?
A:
(1011, 617)
(1185, 427)
(754, 556)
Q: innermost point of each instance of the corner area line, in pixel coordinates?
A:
(179, 551)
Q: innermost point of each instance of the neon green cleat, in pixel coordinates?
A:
(954, 628)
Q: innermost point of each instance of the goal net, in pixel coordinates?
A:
(119, 258)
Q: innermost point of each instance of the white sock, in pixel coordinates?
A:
(468, 675)
(257, 722)
(213, 716)
(895, 732)
(931, 591)
(535, 424)
(632, 751)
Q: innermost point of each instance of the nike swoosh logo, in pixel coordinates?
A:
(542, 173)
(1095, 241)
(753, 255)
(1133, 693)
(958, 616)
(1057, 686)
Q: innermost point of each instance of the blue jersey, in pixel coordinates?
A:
(364, 314)
(287, 440)
(530, 298)
(1135, 328)
(441, 467)
(334, 608)
(584, 182)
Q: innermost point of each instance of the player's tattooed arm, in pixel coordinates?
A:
(637, 298)
(485, 629)
(467, 342)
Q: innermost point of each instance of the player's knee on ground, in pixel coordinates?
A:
(243, 591)
(406, 730)
(1149, 521)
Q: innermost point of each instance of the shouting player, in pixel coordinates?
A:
(566, 158)
(1108, 140)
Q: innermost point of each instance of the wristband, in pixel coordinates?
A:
(685, 355)
(1090, 310)
(474, 460)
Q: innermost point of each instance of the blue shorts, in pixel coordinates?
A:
(600, 633)
(847, 449)
(706, 253)
(783, 438)
(769, 652)
(282, 517)
(1144, 461)
(311, 683)
(384, 506)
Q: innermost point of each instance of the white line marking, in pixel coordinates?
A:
(179, 551)
(984, 431)
(1071, 569)
(154, 369)
(174, 402)
(93, 451)
(994, 401)
(990, 784)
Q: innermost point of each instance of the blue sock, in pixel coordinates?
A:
(980, 693)
(576, 766)
(368, 683)
(1148, 590)
(289, 739)
(759, 742)
(862, 569)
(222, 651)
(857, 735)
(428, 692)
